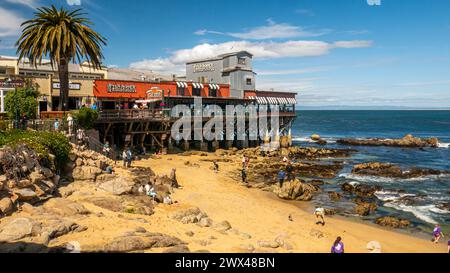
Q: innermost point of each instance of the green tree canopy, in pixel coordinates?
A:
(22, 102)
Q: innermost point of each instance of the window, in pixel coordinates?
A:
(248, 81)
(196, 92)
(180, 91)
(3, 71)
(242, 61)
(212, 92)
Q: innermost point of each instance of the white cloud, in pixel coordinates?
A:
(9, 23)
(74, 2)
(175, 63)
(293, 71)
(29, 3)
(272, 30)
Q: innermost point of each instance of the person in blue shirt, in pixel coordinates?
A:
(281, 177)
(94, 106)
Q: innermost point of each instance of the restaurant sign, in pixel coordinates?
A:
(11, 84)
(72, 86)
(154, 92)
(203, 67)
(121, 88)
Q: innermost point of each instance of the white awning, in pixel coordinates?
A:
(214, 86)
(218, 87)
(148, 100)
(185, 84)
(201, 85)
(178, 84)
(195, 85)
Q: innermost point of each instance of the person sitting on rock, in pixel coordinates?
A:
(289, 170)
(109, 170)
(320, 216)
(281, 177)
(141, 190)
(150, 191)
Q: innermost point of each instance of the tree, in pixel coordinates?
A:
(86, 117)
(64, 36)
(20, 102)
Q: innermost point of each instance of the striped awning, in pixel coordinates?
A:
(198, 85)
(273, 100)
(182, 84)
(214, 86)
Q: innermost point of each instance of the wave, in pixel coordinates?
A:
(423, 213)
(381, 179)
(309, 140)
(443, 145)
(390, 196)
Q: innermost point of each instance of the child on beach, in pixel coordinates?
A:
(437, 234)
(338, 246)
(215, 167)
(281, 177)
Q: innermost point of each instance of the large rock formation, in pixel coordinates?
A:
(407, 141)
(296, 190)
(361, 190)
(391, 170)
(392, 222)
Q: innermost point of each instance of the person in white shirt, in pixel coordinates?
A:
(320, 215)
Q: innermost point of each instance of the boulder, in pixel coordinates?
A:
(296, 190)
(223, 226)
(407, 141)
(392, 222)
(36, 177)
(315, 137)
(142, 242)
(6, 206)
(26, 195)
(118, 186)
(334, 196)
(86, 173)
(361, 190)
(64, 207)
(16, 229)
(364, 208)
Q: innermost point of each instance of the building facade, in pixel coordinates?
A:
(46, 79)
(234, 69)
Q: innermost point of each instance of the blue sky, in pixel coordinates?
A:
(332, 52)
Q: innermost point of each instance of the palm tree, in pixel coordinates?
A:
(64, 36)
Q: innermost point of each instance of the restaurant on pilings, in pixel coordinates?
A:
(137, 113)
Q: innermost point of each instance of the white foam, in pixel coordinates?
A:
(382, 179)
(390, 196)
(303, 139)
(421, 212)
(443, 145)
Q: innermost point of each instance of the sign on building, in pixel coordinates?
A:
(203, 67)
(72, 86)
(121, 88)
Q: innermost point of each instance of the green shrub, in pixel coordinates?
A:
(44, 143)
(86, 117)
(24, 102)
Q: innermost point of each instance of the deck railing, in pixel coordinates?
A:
(129, 114)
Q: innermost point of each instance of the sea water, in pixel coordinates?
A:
(424, 194)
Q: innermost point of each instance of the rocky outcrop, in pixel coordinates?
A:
(391, 170)
(190, 216)
(392, 222)
(361, 190)
(118, 186)
(364, 208)
(407, 141)
(139, 242)
(296, 190)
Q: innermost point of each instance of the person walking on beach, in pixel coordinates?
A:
(281, 177)
(437, 234)
(338, 246)
(129, 157)
(320, 216)
(173, 177)
(106, 149)
(124, 157)
(244, 161)
(215, 166)
(244, 176)
(70, 124)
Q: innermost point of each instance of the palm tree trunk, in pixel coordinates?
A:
(63, 69)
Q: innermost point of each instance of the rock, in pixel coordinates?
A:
(86, 173)
(190, 215)
(24, 183)
(66, 191)
(335, 196)
(79, 162)
(6, 206)
(16, 229)
(364, 208)
(190, 233)
(361, 190)
(205, 222)
(140, 230)
(223, 226)
(268, 244)
(105, 177)
(147, 241)
(391, 170)
(444, 206)
(46, 172)
(321, 142)
(315, 137)
(64, 207)
(296, 190)
(177, 249)
(407, 141)
(118, 186)
(36, 177)
(26, 195)
(392, 222)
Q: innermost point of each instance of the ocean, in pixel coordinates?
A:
(425, 194)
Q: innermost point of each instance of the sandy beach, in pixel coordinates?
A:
(264, 217)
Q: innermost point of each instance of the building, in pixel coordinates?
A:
(234, 69)
(46, 79)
